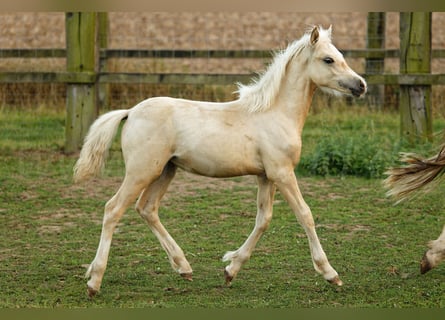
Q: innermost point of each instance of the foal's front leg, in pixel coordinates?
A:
(288, 186)
(266, 192)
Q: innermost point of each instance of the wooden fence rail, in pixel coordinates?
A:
(169, 53)
(191, 78)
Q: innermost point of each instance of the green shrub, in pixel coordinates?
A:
(363, 156)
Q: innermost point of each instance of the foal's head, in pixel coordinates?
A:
(328, 69)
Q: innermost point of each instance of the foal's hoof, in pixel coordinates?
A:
(336, 280)
(91, 292)
(228, 278)
(425, 265)
(187, 276)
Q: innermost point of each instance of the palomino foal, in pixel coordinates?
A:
(257, 134)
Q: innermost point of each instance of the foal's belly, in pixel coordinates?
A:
(221, 165)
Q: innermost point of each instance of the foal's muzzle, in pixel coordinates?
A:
(357, 87)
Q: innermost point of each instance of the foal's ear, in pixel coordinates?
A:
(330, 31)
(314, 35)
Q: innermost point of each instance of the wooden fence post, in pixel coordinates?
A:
(81, 57)
(415, 57)
(375, 40)
(104, 88)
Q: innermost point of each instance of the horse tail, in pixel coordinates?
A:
(97, 142)
(419, 172)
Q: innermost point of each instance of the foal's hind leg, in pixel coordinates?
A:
(435, 254)
(114, 209)
(148, 205)
(266, 192)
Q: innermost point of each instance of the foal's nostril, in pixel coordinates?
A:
(362, 87)
(357, 87)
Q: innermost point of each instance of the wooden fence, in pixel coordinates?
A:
(191, 78)
(83, 30)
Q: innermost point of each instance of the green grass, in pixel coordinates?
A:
(50, 230)
(39, 129)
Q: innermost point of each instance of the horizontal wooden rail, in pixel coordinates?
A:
(138, 53)
(406, 79)
(63, 77)
(168, 53)
(189, 78)
(32, 53)
(175, 78)
(193, 78)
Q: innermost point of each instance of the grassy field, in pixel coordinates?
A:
(50, 230)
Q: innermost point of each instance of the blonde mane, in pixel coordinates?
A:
(260, 95)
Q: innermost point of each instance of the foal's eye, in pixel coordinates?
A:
(328, 60)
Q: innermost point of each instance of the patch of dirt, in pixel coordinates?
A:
(352, 230)
(186, 183)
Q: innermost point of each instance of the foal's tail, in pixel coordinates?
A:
(97, 142)
(418, 173)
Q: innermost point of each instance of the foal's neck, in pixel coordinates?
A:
(295, 99)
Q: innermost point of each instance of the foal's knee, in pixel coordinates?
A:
(148, 213)
(112, 213)
(264, 222)
(305, 217)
